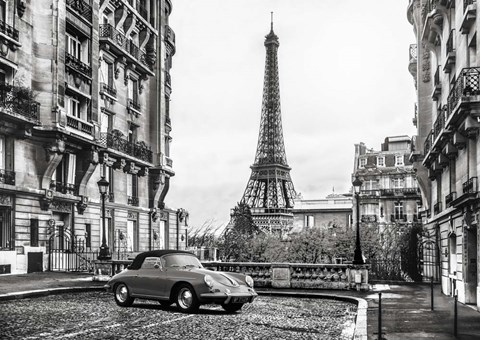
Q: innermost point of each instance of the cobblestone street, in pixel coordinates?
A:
(94, 315)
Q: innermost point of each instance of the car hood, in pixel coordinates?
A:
(220, 277)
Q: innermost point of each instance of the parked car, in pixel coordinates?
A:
(172, 276)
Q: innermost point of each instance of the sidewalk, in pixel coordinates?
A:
(406, 310)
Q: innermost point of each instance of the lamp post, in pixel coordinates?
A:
(104, 250)
(358, 256)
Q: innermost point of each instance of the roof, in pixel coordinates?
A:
(137, 262)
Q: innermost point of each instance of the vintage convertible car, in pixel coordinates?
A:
(172, 276)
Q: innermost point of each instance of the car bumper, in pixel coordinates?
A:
(108, 287)
(225, 298)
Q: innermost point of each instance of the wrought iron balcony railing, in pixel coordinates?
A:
(470, 186)
(115, 140)
(108, 89)
(78, 65)
(18, 100)
(132, 104)
(450, 198)
(7, 177)
(466, 85)
(8, 30)
(133, 200)
(64, 188)
(437, 208)
(81, 7)
(119, 40)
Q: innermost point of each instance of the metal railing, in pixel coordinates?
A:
(81, 7)
(133, 104)
(115, 140)
(64, 188)
(109, 89)
(437, 208)
(470, 186)
(133, 200)
(77, 65)
(8, 30)
(450, 198)
(17, 99)
(7, 177)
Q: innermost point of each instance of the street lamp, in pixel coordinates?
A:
(104, 250)
(358, 256)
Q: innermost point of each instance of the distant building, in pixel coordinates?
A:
(332, 213)
(389, 194)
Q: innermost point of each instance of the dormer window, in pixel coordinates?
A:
(380, 161)
(399, 160)
(363, 162)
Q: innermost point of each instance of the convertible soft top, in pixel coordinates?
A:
(138, 261)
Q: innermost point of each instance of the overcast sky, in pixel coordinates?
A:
(343, 67)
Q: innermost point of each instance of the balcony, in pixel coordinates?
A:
(81, 7)
(437, 85)
(133, 201)
(9, 31)
(17, 102)
(115, 140)
(469, 15)
(123, 46)
(450, 198)
(465, 93)
(79, 125)
(78, 66)
(7, 177)
(437, 208)
(450, 53)
(134, 106)
(170, 38)
(369, 218)
(398, 218)
(470, 186)
(469, 193)
(64, 188)
(412, 61)
(109, 90)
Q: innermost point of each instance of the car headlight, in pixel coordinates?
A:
(208, 281)
(249, 281)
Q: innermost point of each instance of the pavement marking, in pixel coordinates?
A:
(168, 321)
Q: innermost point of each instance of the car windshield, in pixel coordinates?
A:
(181, 260)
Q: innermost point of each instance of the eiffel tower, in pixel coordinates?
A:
(270, 192)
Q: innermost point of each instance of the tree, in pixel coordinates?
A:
(240, 234)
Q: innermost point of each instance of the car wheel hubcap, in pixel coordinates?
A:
(185, 298)
(122, 293)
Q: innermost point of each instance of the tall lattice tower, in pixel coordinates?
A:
(270, 190)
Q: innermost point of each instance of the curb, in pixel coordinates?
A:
(360, 332)
(45, 292)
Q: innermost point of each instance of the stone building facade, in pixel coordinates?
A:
(85, 87)
(389, 196)
(332, 213)
(444, 64)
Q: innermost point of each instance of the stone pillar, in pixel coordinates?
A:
(280, 275)
(358, 277)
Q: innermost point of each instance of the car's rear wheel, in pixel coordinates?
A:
(232, 307)
(122, 295)
(186, 299)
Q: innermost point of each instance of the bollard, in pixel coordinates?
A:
(431, 292)
(380, 337)
(455, 315)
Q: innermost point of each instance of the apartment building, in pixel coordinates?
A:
(85, 88)
(444, 64)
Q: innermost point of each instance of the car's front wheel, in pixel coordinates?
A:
(232, 307)
(122, 295)
(186, 299)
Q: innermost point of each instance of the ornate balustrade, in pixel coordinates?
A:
(77, 65)
(133, 201)
(8, 30)
(108, 89)
(115, 140)
(80, 125)
(470, 186)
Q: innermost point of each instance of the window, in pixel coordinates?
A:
(2, 152)
(108, 172)
(64, 175)
(88, 235)
(6, 230)
(398, 209)
(399, 160)
(381, 161)
(3, 11)
(107, 73)
(150, 262)
(131, 235)
(133, 90)
(398, 183)
(73, 106)
(309, 221)
(34, 232)
(74, 46)
(132, 189)
(106, 122)
(363, 162)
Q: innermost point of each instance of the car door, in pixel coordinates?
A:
(150, 280)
